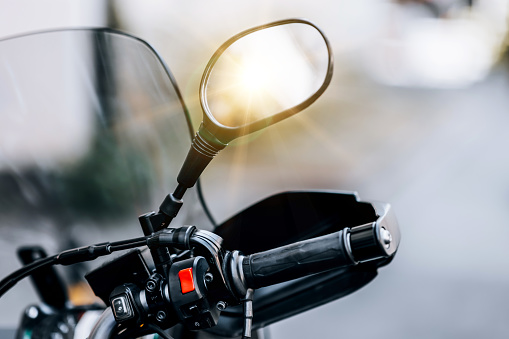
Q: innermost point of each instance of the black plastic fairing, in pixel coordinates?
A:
(289, 217)
(278, 302)
(128, 268)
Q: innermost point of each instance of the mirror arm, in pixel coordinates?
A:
(204, 148)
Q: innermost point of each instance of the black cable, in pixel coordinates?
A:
(128, 241)
(181, 255)
(8, 282)
(206, 209)
(77, 255)
(69, 257)
(125, 245)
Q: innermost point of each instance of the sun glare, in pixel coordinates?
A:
(253, 78)
(264, 74)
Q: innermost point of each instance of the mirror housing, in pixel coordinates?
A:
(213, 136)
(214, 131)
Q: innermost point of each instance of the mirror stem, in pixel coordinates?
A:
(179, 192)
(204, 148)
(200, 154)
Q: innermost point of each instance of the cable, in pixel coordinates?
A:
(81, 254)
(248, 313)
(206, 209)
(125, 245)
(128, 241)
(69, 257)
(8, 282)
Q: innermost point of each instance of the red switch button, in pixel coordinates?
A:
(186, 280)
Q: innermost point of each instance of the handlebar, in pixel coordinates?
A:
(196, 290)
(298, 259)
(349, 246)
(192, 289)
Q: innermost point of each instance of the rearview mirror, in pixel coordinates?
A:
(256, 78)
(262, 76)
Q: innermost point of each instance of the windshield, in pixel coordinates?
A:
(92, 134)
(90, 126)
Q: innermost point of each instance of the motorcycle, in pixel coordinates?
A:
(118, 108)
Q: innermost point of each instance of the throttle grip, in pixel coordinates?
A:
(297, 260)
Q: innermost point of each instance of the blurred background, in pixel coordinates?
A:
(416, 115)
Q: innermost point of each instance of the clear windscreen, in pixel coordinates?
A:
(92, 134)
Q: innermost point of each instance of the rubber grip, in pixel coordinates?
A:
(296, 260)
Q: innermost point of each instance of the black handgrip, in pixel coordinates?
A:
(297, 260)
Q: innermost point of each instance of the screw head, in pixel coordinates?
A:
(221, 305)
(386, 237)
(209, 277)
(160, 315)
(150, 286)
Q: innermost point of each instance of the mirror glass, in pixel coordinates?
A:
(266, 72)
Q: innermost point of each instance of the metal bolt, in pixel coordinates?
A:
(386, 237)
(150, 286)
(209, 277)
(32, 312)
(221, 305)
(160, 315)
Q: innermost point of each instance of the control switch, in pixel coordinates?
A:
(121, 308)
(186, 280)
